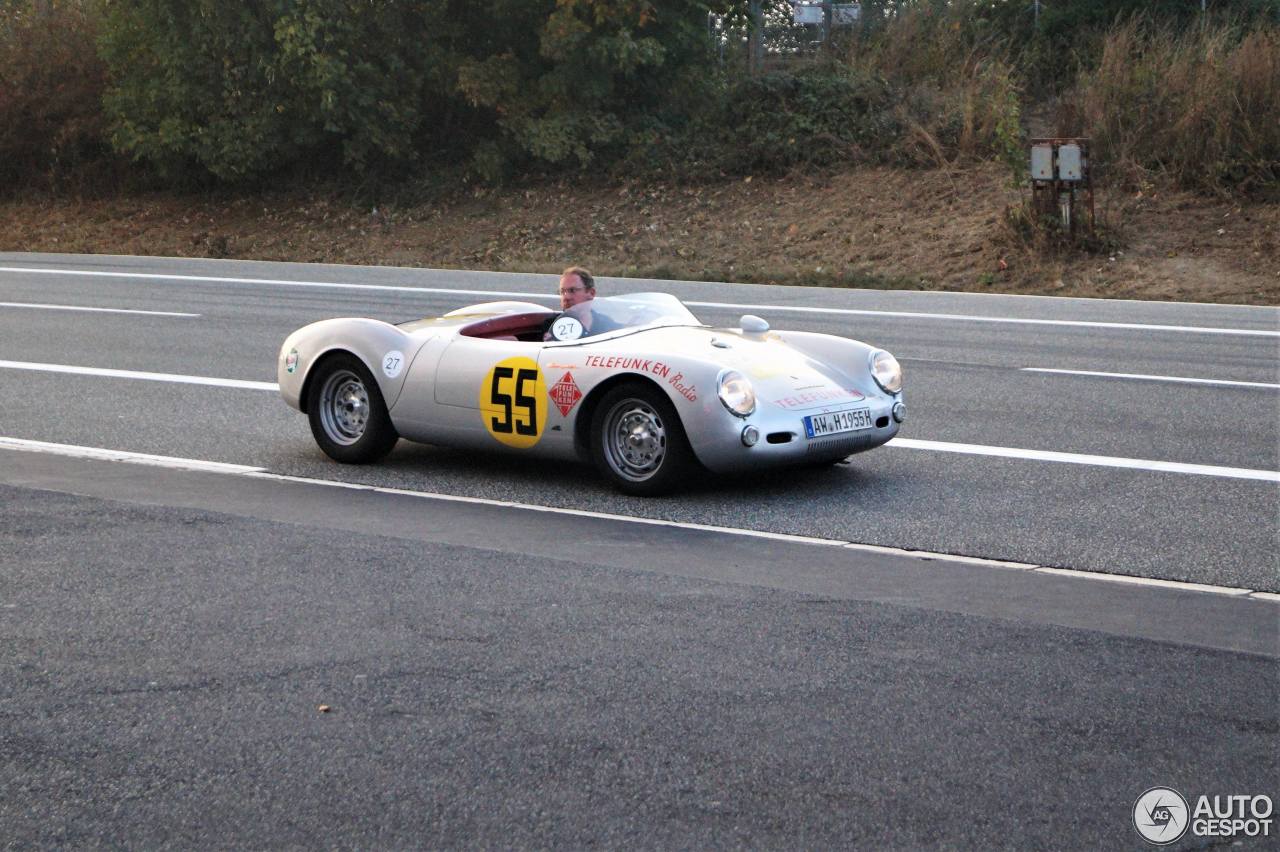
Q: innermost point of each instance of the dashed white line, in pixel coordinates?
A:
(176, 463)
(1148, 378)
(278, 282)
(138, 374)
(88, 309)
(1081, 458)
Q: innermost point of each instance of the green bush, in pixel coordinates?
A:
(243, 90)
(818, 116)
(580, 81)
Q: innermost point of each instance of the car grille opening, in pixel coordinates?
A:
(837, 445)
(779, 437)
(882, 422)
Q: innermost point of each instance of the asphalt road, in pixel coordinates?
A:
(503, 677)
(965, 383)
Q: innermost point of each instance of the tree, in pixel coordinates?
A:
(244, 88)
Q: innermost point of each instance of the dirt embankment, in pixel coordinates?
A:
(869, 227)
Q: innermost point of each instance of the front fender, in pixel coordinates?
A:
(385, 350)
(849, 357)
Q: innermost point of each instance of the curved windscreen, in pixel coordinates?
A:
(637, 310)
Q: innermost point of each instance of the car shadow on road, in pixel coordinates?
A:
(436, 467)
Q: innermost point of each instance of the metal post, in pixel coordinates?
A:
(754, 42)
(826, 24)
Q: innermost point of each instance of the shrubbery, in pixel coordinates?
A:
(242, 90)
(51, 83)
(233, 92)
(817, 116)
(582, 82)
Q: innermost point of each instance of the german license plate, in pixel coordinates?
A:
(835, 422)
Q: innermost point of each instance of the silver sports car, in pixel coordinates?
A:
(635, 384)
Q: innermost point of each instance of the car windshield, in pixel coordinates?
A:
(634, 311)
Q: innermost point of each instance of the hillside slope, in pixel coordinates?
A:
(868, 227)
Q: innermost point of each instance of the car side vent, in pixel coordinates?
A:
(882, 422)
(779, 437)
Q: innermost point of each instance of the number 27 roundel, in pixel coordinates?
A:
(512, 402)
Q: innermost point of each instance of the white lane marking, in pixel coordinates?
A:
(1145, 581)
(929, 555)
(1080, 458)
(906, 443)
(98, 453)
(278, 282)
(1194, 329)
(101, 454)
(281, 282)
(86, 308)
(557, 510)
(137, 374)
(1144, 377)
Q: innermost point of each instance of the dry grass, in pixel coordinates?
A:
(1201, 107)
(960, 94)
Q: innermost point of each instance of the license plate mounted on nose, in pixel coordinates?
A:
(836, 422)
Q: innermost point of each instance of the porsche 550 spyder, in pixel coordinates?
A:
(634, 384)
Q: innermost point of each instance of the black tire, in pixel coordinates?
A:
(655, 457)
(348, 415)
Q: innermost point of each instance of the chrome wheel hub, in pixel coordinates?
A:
(344, 407)
(635, 440)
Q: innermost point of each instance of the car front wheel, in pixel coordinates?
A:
(348, 415)
(638, 442)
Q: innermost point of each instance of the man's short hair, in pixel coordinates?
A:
(583, 275)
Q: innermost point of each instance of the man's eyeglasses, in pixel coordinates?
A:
(568, 290)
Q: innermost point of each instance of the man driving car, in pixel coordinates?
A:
(577, 290)
(576, 286)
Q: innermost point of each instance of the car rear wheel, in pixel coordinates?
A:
(638, 442)
(348, 415)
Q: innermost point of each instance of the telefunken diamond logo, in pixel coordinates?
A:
(1160, 815)
(565, 394)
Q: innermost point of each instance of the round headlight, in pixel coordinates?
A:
(736, 393)
(886, 370)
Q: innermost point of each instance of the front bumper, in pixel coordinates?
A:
(783, 441)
